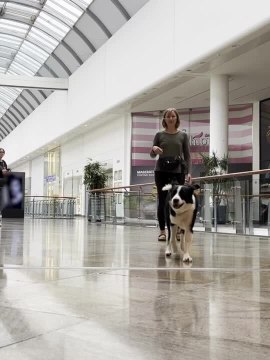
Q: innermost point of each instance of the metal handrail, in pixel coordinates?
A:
(201, 179)
(236, 214)
(50, 197)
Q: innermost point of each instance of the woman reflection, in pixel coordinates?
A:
(14, 192)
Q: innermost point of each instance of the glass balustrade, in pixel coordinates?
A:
(49, 207)
(234, 204)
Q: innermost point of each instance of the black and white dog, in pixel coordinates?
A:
(181, 210)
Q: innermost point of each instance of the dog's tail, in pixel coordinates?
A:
(167, 187)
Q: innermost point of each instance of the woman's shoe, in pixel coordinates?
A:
(162, 237)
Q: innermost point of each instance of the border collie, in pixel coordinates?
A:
(181, 210)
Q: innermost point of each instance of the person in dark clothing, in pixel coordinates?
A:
(3, 165)
(3, 177)
(174, 163)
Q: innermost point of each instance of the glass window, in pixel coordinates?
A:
(30, 32)
(265, 136)
(34, 51)
(21, 69)
(9, 40)
(52, 173)
(14, 26)
(6, 51)
(69, 13)
(4, 96)
(30, 62)
(3, 106)
(43, 39)
(21, 12)
(12, 92)
(52, 26)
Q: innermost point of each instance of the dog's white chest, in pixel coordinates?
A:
(184, 215)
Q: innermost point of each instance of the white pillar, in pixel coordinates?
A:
(219, 101)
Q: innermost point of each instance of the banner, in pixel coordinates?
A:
(195, 122)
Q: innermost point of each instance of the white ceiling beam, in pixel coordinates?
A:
(33, 82)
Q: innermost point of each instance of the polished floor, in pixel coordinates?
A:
(74, 290)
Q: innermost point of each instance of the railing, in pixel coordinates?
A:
(49, 207)
(231, 203)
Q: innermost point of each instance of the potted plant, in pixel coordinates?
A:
(95, 177)
(213, 165)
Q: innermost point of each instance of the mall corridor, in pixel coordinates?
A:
(69, 288)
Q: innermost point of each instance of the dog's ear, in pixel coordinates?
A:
(167, 187)
(196, 189)
(174, 182)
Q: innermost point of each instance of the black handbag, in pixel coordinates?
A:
(169, 163)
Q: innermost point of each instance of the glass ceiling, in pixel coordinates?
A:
(51, 38)
(30, 31)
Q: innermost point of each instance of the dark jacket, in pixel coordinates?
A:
(3, 166)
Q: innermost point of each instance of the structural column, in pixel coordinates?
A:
(219, 102)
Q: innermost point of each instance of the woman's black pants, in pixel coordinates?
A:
(163, 178)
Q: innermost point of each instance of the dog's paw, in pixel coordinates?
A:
(168, 251)
(187, 258)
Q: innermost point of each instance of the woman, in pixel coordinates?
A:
(3, 165)
(174, 163)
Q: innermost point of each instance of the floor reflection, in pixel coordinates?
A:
(110, 292)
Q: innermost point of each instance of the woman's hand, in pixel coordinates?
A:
(157, 150)
(188, 179)
(5, 172)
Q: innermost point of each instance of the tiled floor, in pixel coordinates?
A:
(74, 290)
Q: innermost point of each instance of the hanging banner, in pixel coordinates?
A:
(195, 122)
